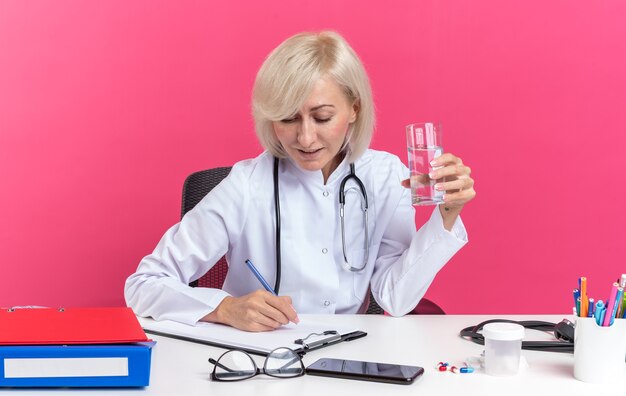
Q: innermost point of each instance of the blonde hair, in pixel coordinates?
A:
(286, 79)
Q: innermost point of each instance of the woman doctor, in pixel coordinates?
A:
(314, 114)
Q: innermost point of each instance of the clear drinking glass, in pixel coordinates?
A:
(423, 142)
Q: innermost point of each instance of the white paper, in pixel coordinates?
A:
(262, 341)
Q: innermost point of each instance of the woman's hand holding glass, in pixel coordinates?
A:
(458, 185)
(454, 178)
(257, 311)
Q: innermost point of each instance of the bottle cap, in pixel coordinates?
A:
(503, 331)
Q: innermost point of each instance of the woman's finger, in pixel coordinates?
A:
(453, 171)
(454, 185)
(446, 159)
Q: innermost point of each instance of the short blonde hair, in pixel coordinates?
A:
(286, 79)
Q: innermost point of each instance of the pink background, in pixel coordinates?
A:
(105, 107)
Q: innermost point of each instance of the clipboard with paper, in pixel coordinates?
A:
(308, 335)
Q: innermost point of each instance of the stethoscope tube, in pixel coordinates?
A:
(472, 333)
(342, 203)
(277, 212)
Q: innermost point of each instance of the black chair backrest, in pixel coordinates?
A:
(199, 184)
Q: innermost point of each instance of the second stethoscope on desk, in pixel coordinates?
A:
(342, 202)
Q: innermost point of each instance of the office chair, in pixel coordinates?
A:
(424, 307)
(198, 184)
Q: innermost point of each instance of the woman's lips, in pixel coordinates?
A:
(310, 154)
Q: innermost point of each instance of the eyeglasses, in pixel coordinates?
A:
(236, 365)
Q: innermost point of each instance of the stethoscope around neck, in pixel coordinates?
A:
(342, 203)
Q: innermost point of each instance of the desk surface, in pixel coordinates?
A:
(181, 368)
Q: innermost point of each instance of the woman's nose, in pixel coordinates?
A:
(306, 133)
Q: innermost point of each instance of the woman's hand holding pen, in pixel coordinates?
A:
(257, 311)
(458, 185)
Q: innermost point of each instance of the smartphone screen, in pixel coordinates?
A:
(367, 371)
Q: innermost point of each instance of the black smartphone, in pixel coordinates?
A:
(366, 371)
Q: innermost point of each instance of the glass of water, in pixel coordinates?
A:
(423, 142)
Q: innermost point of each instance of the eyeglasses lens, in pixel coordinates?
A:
(284, 363)
(235, 365)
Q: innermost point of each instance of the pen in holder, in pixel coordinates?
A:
(599, 351)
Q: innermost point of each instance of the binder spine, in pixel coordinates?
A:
(56, 365)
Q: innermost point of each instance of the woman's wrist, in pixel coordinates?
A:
(216, 316)
(449, 215)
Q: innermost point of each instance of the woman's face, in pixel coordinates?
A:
(314, 136)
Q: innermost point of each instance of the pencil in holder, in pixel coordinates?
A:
(599, 351)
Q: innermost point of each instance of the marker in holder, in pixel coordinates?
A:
(599, 351)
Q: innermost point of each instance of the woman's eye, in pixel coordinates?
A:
(322, 120)
(290, 120)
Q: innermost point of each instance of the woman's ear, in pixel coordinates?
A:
(356, 106)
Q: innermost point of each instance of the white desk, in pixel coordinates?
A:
(181, 368)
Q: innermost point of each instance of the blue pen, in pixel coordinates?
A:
(260, 277)
(599, 314)
(618, 298)
(577, 301)
(592, 308)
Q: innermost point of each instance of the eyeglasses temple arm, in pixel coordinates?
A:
(220, 365)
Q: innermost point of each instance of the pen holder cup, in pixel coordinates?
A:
(599, 352)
